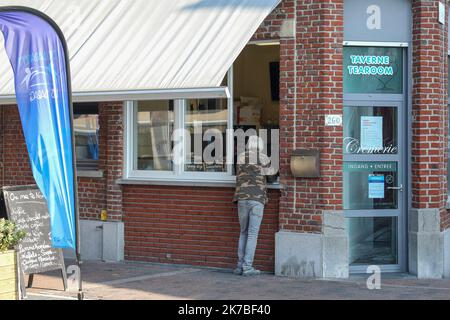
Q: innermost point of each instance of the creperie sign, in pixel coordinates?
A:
(370, 65)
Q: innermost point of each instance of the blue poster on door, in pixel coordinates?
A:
(376, 186)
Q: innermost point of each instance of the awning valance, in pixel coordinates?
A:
(120, 46)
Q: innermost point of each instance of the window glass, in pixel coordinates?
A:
(155, 125)
(373, 240)
(368, 185)
(373, 70)
(370, 130)
(86, 136)
(177, 138)
(206, 123)
(86, 131)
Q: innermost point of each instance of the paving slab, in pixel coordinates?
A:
(147, 281)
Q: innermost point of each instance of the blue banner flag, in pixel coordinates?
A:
(38, 58)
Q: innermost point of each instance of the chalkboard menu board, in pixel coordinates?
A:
(27, 208)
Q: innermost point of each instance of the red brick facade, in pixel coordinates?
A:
(14, 157)
(311, 86)
(199, 225)
(195, 226)
(430, 116)
(112, 115)
(92, 191)
(270, 28)
(206, 218)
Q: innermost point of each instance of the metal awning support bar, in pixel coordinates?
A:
(160, 94)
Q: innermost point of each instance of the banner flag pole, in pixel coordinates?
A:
(37, 50)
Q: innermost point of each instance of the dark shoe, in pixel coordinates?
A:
(237, 271)
(251, 272)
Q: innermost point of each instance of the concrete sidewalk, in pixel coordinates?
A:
(130, 281)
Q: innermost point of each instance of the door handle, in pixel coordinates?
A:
(400, 188)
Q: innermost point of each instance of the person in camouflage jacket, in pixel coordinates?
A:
(252, 169)
(251, 177)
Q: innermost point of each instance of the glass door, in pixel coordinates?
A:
(374, 184)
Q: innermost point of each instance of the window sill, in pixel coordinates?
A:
(189, 183)
(90, 173)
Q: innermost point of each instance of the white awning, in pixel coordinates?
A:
(125, 47)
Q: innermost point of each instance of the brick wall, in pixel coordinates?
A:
(91, 197)
(270, 28)
(430, 95)
(112, 122)
(17, 170)
(199, 226)
(195, 226)
(92, 191)
(311, 86)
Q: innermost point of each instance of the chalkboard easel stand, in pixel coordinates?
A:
(63, 275)
(27, 207)
(31, 279)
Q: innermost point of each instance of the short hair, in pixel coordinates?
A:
(255, 143)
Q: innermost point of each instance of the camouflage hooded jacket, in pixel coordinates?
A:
(251, 171)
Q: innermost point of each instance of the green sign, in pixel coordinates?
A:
(373, 70)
